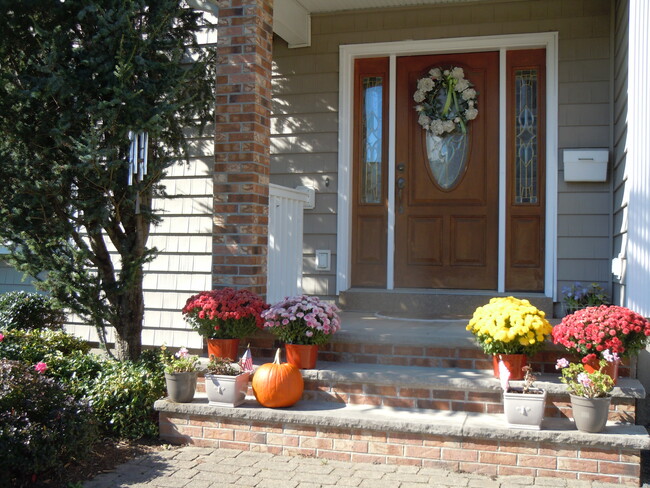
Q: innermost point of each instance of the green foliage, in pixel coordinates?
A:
(32, 346)
(588, 385)
(42, 427)
(122, 396)
(27, 311)
(181, 362)
(75, 78)
(222, 367)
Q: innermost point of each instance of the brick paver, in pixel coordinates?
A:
(194, 467)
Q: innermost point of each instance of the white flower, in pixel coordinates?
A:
(419, 108)
(435, 73)
(470, 103)
(425, 84)
(449, 125)
(424, 121)
(461, 85)
(457, 120)
(469, 94)
(446, 72)
(418, 96)
(471, 113)
(458, 73)
(437, 127)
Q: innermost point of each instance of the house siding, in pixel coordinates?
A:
(12, 280)
(305, 109)
(619, 158)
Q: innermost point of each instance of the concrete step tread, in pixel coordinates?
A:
(417, 421)
(444, 378)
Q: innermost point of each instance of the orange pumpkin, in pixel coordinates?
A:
(277, 384)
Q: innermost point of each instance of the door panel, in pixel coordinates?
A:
(525, 159)
(447, 238)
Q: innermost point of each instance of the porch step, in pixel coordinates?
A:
(366, 338)
(445, 389)
(429, 304)
(480, 443)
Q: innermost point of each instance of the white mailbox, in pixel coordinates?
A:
(585, 164)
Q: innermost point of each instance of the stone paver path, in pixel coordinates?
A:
(195, 467)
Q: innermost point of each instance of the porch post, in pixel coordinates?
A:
(242, 144)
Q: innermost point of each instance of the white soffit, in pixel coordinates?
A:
(292, 22)
(292, 18)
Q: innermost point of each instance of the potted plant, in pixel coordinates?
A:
(302, 323)
(224, 317)
(523, 406)
(589, 332)
(509, 329)
(225, 383)
(589, 392)
(180, 374)
(577, 297)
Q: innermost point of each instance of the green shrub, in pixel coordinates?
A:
(32, 346)
(77, 370)
(29, 311)
(122, 396)
(42, 427)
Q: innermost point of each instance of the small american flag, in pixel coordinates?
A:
(246, 361)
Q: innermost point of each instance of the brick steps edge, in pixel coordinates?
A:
(479, 443)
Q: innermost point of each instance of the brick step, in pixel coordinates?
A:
(445, 389)
(480, 443)
(465, 356)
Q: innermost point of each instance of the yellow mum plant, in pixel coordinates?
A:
(508, 325)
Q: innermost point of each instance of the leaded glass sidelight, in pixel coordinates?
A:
(526, 137)
(371, 139)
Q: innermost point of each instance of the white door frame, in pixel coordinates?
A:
(347, 55)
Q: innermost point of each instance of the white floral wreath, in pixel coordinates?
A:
(446, 101)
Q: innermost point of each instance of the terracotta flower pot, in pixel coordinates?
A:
(302, 356)
(513, 362)
(224, 348)
(611, 369)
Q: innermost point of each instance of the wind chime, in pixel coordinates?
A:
(138, 160)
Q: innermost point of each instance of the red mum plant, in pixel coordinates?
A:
(591, 331)
(225, 313)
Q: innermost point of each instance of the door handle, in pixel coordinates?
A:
(401, 183)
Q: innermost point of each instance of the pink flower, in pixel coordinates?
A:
(583, 379)
(182, 353)
(562, 363)
(2, 337)
(40, 367)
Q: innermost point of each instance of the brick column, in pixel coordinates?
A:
(242, 147)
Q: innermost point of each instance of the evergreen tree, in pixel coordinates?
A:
(76, 77)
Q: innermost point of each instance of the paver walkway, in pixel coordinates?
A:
(195, 467)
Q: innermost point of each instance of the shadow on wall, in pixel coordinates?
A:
(643, 374)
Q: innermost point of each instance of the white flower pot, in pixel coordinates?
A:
(524, 410)
(226, 391)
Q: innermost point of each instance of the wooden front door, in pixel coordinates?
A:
(446, 235)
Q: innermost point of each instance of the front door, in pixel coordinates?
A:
(447, 190)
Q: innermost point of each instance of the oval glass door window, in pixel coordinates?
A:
(447, 155)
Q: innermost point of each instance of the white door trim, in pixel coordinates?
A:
(347, 55)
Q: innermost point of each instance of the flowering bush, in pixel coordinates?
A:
(225, 313)
(43, 427)
(302, 320)
(446, 101)
(589, 332)
(181, 362)
(577, 296)
(508, 325)
(588, 385)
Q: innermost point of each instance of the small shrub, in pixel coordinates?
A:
(77, 370)
(29, 311)
(32, 346)
(42, 427)
(122, 396)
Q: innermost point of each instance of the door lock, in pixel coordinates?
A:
(401, 183)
